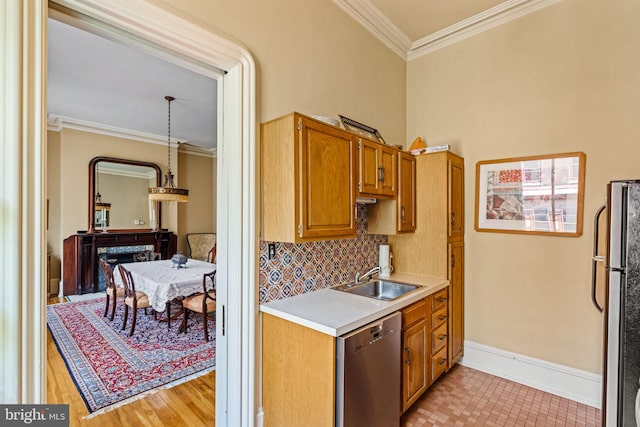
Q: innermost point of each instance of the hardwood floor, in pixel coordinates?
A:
(189, 404)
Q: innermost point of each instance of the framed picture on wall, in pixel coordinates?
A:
(531, 195)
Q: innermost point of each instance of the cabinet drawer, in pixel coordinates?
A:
(439, 363)
(439, 317)
(439, 338)
(414, 313)
(440, 299)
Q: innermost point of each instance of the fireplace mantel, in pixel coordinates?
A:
(80, 254)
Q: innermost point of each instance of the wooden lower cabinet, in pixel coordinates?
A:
(298, 374)
(439, 363)
(415, 351)
(299, 363)
(425, 326)
(456, 301)
(440, 321)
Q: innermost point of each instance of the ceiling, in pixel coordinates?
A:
(95, 83)
(98, 84)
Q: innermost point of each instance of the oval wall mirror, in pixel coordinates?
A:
(118, 195)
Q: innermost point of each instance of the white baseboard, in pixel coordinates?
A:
(581, 386)
(260, 417)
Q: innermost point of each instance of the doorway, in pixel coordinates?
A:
(236, 314)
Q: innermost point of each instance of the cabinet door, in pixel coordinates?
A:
(406, 192)
(456, 301)
(387, 173)
(327, 181)
(456, 197)
(414, 359)
(369, 164)
(377, 169)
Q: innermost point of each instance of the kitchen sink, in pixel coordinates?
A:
(385, 290)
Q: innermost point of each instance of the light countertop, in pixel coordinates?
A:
(335, 313)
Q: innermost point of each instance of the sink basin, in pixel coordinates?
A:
(385, 290)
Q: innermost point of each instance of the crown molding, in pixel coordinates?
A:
(366, 14)
(197, 151)
(490, 18)
(57, 123)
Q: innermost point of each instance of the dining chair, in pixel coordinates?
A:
(200, 244)
(113, 292)
(212, 255)
(132, 298)
(203, 303)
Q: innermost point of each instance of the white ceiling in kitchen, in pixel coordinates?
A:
(97, 83)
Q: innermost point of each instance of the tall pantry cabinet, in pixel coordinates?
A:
(437, 246)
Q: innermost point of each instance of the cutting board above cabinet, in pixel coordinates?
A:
(311, 174)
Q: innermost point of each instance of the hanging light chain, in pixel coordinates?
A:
(98, 181)
(169, 191)
(169, 98)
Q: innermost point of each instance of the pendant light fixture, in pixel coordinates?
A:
(168, 192)
(98, 199)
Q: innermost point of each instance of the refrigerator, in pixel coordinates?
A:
(616, 293)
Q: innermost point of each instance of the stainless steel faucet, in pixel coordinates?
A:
(367, 275)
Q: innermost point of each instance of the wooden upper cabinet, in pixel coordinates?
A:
(327, 188)
(388, 162)
(377, 169)
(456, 197)
(368, 167)
(397, 216)
(406, 193)
(308, 171)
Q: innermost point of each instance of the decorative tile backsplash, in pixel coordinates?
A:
(298, 268)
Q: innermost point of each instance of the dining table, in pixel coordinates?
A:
(163, 282)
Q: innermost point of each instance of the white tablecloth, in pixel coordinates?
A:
(161, 282)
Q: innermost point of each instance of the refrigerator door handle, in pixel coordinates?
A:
(596, 258)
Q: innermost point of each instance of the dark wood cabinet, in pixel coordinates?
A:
(81, 253)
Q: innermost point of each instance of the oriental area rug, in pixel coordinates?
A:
(110, 368)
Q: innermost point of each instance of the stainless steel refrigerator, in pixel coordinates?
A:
(616, 293)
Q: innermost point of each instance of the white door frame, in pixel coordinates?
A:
(23, 35)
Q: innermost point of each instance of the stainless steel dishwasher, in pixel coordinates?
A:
(368, 375)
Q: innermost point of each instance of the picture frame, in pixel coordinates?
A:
(361, 129)
(541, 195)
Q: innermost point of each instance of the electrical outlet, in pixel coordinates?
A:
(272, 250)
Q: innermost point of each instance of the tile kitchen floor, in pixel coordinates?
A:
(466, 397)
